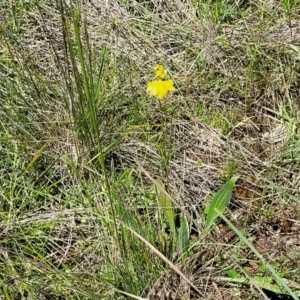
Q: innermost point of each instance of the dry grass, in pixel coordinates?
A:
(235, 112)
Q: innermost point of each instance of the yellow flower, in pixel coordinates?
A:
(160, 72)
(160, 88)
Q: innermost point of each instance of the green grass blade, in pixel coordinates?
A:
(167, 207)
(219, 202)
(183, 237)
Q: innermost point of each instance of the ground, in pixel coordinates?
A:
(105, 189)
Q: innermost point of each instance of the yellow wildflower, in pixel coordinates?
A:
(160, 72)
(160, 88)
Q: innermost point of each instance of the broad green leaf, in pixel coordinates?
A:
(270, 284)
(219, 201)
(166, 206)
(232, 273)
(183, 236)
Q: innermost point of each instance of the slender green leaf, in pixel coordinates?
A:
(219, 201)
(167, 207)
(183, 237)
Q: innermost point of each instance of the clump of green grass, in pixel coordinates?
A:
(103, 195)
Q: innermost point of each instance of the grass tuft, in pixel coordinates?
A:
(104, 189)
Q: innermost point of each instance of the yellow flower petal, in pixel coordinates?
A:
(160, 72)
(169, 85)
(152, 88)
(160, 88)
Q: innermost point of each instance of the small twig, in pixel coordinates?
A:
(160, 255)
(131, 295)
